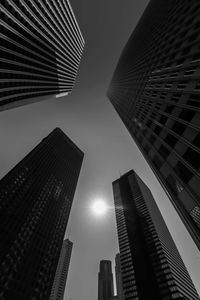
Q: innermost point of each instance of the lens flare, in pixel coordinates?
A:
(99, 207)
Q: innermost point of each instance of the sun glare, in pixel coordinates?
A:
(99, 207)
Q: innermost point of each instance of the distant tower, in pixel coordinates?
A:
(118, 275)
(155, 90)
(41, 49)
(105, 281)
(58, 288)
(35, 202)
(151, 265)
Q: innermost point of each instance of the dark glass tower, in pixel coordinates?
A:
(58, 288)
(151, 265)
(105, 281)
(156, 91)
(35, 202)
(118, 275)
(41, 48)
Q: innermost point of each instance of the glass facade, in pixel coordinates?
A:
(58, 288)
(118, 276)
(150, 263)
(41, 48)
(35, 202)
(156, 91)
(105, 281)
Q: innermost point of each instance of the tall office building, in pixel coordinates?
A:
(40, 52)
(156, 91)
(151, 265)
(35, 202)
(105, 281)
(58, 288)
(118, 276)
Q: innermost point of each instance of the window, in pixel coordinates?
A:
(189, 71)
(140, 139)
(195, 214)
(169, 109)
(157, 161)
(152, 139)
(149, 122)
(157, 129)
(195, 97)
(183, 172)
(171, 140)
(146, 148)
(186, 50)
(174, 74)
(178, 128)
(175, 97)
(164, 152)
(196, 57)
(196, 141)
(144, 131)
(176, 295)
(192, 157)
(163, 120)
(194, 103)
(187, 115)
(171, 181)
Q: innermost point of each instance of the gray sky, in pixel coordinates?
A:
(88, 118)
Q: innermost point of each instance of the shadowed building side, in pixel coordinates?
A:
(151, 265)
(35, 202)
(40, 52)
(118, 275)
(58, 288)
(155, 90)
(105, 281)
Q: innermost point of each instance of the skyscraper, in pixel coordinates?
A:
(35, 202)
(151, 265)
(105, 281)
(41, 48)
(118, 275)
(156, 91)
(58, 288)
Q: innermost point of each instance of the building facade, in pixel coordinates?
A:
(41, 48)
(118, 276)
(105, 281)
(58, 288)
(151, 265)
(35, 202)
(155, 90)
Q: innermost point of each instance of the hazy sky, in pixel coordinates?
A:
(88, 118)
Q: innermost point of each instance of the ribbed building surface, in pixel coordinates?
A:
(35, 202)
(40, 50)
(151, 265)
(118, 275)
(156, 91)
(105, 281)
(58, 288)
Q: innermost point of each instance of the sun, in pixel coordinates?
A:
(99, 207)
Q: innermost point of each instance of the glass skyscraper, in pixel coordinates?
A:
(35, 203)
(151, 265)
(58, 288)
(118, 275)
(40, 52)
(155, 90)
(105, 281)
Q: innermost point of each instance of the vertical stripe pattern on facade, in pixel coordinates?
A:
(151, 265)
(156, 91)
(58, 288)
(35, 202)
(40, 50)
(105, 280)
